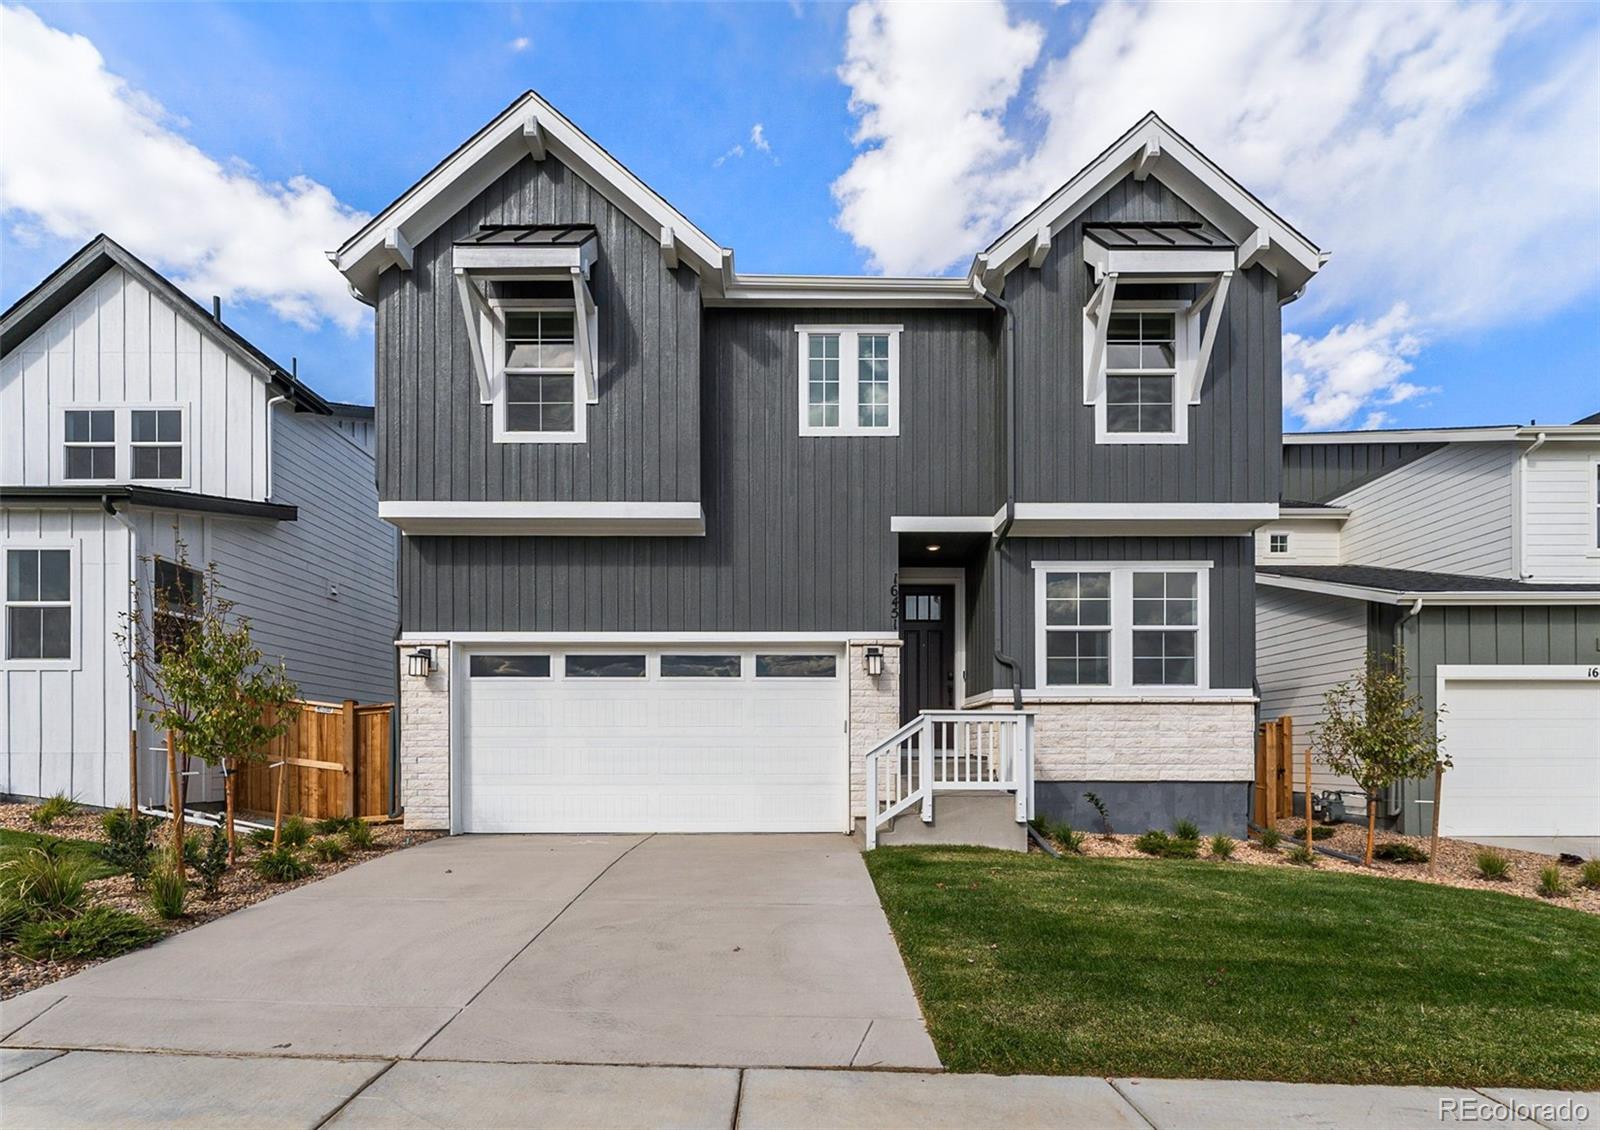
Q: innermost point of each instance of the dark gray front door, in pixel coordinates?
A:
(928, 649)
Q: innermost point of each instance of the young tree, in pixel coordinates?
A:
(201, 678)
(1377, 733)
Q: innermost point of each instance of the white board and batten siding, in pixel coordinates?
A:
(1307, 643)
(1561, 513)
(1448, 512)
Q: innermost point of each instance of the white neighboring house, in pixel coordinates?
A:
(133, 417)
(1477, 551)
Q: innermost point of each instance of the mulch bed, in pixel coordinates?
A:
(239, 888)
(1455, 867)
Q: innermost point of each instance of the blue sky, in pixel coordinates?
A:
(1448, 156)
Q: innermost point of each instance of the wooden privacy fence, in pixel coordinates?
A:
(1274, 796)
(337, 762)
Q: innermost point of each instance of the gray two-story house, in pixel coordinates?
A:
(688, 549)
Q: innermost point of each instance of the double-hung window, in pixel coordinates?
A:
(1131, 627)
(123, 443)
(849, 380)
(89, 447)
(179, 601)
(38, 624)
(155, 443)
(1141, 374)
(538, 399)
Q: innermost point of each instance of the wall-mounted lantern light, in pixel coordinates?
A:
(874, 660)
(419, 664)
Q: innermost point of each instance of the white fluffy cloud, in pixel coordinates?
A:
(1445, 153)
(85, 153)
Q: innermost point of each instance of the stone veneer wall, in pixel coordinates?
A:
(874, 712)
(1180, 740)
(425, 742)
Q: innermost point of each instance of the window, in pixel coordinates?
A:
(38, 604)
(849, 380)
(1126, 626)
(1141, 372)
(1597, 505)
(605, 666)
(538, 395)
(179, 599)
(693, 666)
(156, 443)
(90, 447)
(796, 666)
(924, 606)
(1277, 543)
(509, 666)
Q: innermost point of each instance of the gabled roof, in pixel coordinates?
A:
(1584, 430)
(1153, 148)
(85, 267)
(1407, 586)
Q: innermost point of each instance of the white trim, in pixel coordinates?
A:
(1333, 513)
(583, 394)
(1097, 373)
(1110, 519)
(849, 379)
(1121, 628)
(1053, 697)
(957, 579)
(860, 291)
(122, 442)
(641, 639)
(74, 547)
(1420, 599)
(933, 524)
(1157, 261)
(551, 519)
(1505, 433)
(1516, 672)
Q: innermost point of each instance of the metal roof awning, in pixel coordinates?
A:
(154, 498)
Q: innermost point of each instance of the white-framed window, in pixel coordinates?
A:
(123, 443)
(155, 444)
(1277, 543)
(179, 601)
(849, 380)
(1138, 627)
(537, 397)
(89, 444)
(41, 589)
(1594, 481)
(1150, 344)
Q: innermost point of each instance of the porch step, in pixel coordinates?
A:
(984, 819)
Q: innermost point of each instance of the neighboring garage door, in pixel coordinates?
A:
(1525, 752)
(725, 740)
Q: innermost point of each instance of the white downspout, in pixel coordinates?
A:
(1520, 505)
(133, 579)
(271, 404)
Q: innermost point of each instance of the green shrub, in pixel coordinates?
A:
(1590, 875)
(213, 862)
(1301, 854)
(1186, 830)
(1271, 838)
(1318, 832)
(333, 825)
(1100, 808)
(1552, 883)
(13, 915)
(296, 832)
(47, 883)
(1062, 833)
(55, 808)
(282, 864)
(99, 932)
(1493, 864)
(1398, 851)
(1221, 846)
(167, 888)
(329, 849)
(1167, 847)
(128, 844)
(260, 838)
(358, 837)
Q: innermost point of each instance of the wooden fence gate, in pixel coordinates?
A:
(1274, 794)
(337, 758)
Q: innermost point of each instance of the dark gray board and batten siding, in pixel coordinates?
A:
(1319, 472)
(1235, 432)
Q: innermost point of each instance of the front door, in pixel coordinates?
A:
(928, 649)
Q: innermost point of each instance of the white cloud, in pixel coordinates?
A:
(732, 154)
(758, 138)
(1446, 153)
(520, 43)
(87, 153)
(1327, 380)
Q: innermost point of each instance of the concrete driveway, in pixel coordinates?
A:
(679, 950)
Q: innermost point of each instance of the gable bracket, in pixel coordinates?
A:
(588, 326)
(478, 315)
(1214, 298)
(397, 249)
(1146, 160)
(1040, 248)
(1253, 249)
(533, 137)
(1099, 311)
(669, 248)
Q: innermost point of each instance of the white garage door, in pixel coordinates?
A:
(1525, 754)
(725, 740)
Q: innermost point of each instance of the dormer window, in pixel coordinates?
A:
(1141, 370)
(539, 396)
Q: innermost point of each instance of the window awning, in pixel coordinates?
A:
(563, 253)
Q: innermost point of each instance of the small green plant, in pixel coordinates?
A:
(1186, 830)
(213, 862)
(1318, 832)
(57, 807)
(167, 888)
(1493, 864)
(358, 837)
(296, 832)
(101, 931)
(1590, 875)
(329, 849)
(13, 916)
(333, 825)
(282, 864)
(1301, 854)
(46, 883)
(1163, 846)
(128, 844)
(1398, 851)
(1105, 817)
(1221, 846)
(1552, 883)
(1271, 838)
(260, 838)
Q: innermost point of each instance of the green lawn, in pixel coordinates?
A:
(12, 842)
(1206, 970)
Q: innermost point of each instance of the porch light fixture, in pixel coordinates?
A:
(419, 664)
(874, 660)
(934, 548)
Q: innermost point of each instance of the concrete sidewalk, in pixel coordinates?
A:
(47, 1088)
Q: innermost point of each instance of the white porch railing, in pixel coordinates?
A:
(943, 751)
